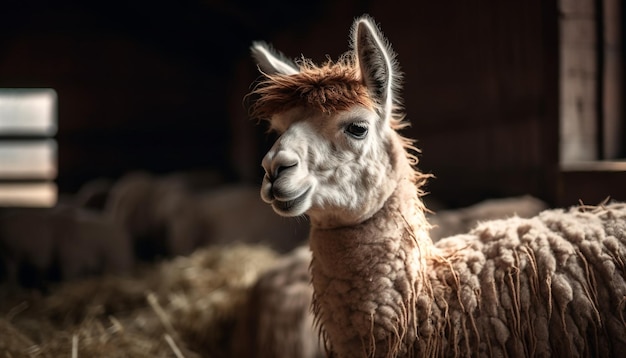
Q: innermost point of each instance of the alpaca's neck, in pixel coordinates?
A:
(367, 277)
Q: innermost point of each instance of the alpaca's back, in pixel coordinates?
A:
(553, 285)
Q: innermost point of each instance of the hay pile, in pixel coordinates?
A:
(185, 307)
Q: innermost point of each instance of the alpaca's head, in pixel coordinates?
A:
(338, 157)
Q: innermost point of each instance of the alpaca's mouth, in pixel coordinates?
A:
(293, 207)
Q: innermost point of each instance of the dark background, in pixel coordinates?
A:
(159, 86)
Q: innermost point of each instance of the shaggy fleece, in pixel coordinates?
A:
(551, 285)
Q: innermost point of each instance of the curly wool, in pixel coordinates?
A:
(552, 285)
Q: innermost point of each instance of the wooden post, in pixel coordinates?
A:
(612, 81)
(579, 81)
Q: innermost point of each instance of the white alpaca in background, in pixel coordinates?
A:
(552, 285)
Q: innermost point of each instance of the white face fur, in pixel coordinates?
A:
(338, 169)
(333, 168)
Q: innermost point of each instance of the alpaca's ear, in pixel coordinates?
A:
(376, 62)
(271, 61)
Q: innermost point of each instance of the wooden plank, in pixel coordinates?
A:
(28, 112)
(595, 166)
(576, 7)
(578, 64)
(42, 194)
(613, 87)
(28, 159)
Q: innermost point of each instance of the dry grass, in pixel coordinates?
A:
(185, 307)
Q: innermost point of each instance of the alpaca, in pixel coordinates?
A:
(64, 242)
(551, 285)
(275, 321)
(175, 214)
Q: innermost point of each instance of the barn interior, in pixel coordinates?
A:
(149, 164)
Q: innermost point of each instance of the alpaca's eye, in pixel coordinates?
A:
(356, 130)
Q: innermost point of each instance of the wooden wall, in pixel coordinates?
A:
(159, 86)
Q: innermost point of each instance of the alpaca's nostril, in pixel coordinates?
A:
(281, 168)
(276, 162)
